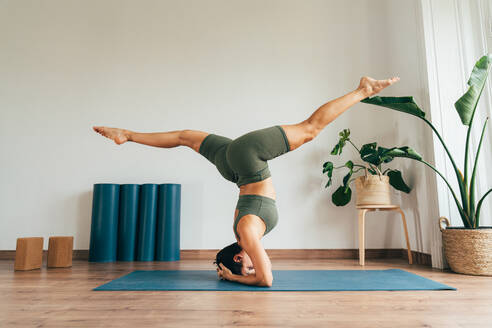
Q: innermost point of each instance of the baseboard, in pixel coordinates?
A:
(418, 257)
(284, 254)
(78, 254)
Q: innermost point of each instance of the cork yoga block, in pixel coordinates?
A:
(372, 190)
(29, 253)
(60, 252)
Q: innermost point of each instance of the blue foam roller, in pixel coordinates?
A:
(168, 222)
(147, 222)
(104, 225)
(127, 223)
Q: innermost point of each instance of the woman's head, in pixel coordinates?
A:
(235, 259)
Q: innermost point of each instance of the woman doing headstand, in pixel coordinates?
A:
(244, 162)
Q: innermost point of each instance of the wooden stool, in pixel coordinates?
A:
(60, 252)
(29, 253)
(363, 209)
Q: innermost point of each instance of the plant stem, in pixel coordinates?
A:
(358, 169)
(459, 177)
(471, 188)
(460, 209)
(479, 206)
(467, 149)
(468, 133)
(354, 146)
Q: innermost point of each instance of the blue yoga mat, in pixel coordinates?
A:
(284, 280)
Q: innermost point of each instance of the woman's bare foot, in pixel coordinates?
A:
(119, 136)
(369, 86)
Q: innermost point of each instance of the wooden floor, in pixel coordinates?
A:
(64, 298)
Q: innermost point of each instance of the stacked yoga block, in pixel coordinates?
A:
(132, 222)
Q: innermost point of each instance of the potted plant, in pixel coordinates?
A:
(467, 248)
(373, 187)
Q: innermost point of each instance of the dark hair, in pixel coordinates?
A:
(226, 257)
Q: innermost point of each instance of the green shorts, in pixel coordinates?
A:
(244, 160)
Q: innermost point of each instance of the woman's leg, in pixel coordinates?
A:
(299, 134)
(171, 139)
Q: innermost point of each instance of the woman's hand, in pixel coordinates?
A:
(369, 86)
(223, 272)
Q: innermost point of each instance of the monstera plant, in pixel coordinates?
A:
(373, 157)
(467, 204)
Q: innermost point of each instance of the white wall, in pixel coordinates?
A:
(227, 67)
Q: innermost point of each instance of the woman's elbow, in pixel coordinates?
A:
(266, 281)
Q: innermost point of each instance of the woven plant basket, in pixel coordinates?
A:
(372, 190)
(468, 251)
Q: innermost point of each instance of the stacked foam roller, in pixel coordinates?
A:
(132, 222)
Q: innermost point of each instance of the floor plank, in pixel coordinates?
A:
(64, 298)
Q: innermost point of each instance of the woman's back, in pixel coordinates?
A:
(263, 188)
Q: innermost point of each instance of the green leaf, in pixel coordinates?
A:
(335, 149)
(377, 156)
(345, 134)
(368, 148)
(465, 106)
(396, 180)
(344, 137)
(346, 180)
(404, 151)
(328, 169)
(369, 153)
(384, 155)
(341, 196)
(401, 104)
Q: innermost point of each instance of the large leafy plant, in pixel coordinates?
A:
(466, 106)
(373, 157)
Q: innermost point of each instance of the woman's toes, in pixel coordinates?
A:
(99, 129)
(117, 135)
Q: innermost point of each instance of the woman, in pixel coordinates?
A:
(244, 162)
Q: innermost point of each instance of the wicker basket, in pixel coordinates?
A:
(468, 251)
(372, 190)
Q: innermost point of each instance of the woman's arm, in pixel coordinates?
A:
(263, 267)
(251, 279)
